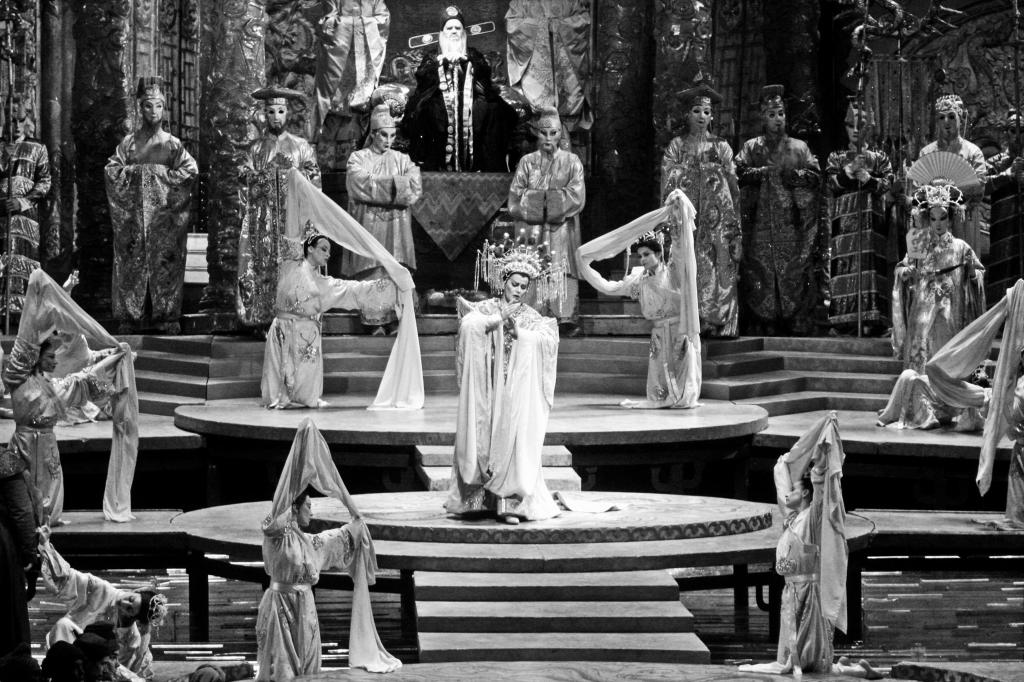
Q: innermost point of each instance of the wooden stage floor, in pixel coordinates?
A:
(576, 419)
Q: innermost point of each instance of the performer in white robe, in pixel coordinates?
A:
(506, 366)
(287, 627)
(293, 365)
(401, 387)
(90, 599)
(382, 185)
(668, 297)
(812, 556)
(548, 192)
(38, 406)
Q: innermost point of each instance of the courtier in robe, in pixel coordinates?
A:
(949, 123)
(784, 273)
(353, 38)
(702, 166)
(858, 179)
(38, 402)
(382, 185)
(456, 119)
(25, 175)
(549, 55)
(263, 198)
(547, 195)
(17, 552)
(812, 556)
(293, 364)
(934, 297)
(287, 626)
(149, 187)
(90, 599)
(667, 292)
(506, 357)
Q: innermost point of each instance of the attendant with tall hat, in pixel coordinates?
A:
(784, 273)
(24, 183)
(149, 187)
(858, 178)
(456, 119)
(701, 164)
(382, 185)
(950, 123)
(506, 358)
(263, 171)
(546, 196)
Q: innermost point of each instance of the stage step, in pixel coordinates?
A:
(807, 401)
(635, 586)
(434, 467)
(681, 647)
(163, 403)
(554, 617)
(172, 363)
(740, 363)
(831, 344)
(175, 384)
(442, 455)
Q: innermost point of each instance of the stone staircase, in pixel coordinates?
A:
(434, 467)
(783, 375)
(629, 616)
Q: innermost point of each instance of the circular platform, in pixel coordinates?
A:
(235, 530)
(576, 419)
(420, 517)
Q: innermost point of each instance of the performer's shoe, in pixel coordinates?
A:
(510, 519)
(379, 331)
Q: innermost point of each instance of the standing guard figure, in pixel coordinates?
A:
(263, 195)
(783, 249)
(149, 187)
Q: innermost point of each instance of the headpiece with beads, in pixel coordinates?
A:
(653, 239)
(930, 196)
(524, 255)
(772, 97)
(947, 103)
(157, 610)
(151, 87)
(699, 95)
(381, 117)
(451, 12)
(277, 95)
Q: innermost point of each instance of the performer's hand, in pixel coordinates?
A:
(862, 176)
(12, 205)
(71, 282)
(508, 310)
(908, 272)
(44, 535)
(736, 249)
(283, 161)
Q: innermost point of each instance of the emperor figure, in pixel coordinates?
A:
(263, 198)
(149, 187)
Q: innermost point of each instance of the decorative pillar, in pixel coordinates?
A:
(102, 32)
(231, 65)
(57, 225)
(623, 131)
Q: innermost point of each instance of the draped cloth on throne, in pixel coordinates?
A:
(454, 207)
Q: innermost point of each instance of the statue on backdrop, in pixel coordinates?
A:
(263, 194)
(149, 187)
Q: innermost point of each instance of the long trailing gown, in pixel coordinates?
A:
(89, 600)
(858, 216)
(287, 627)
(149, 185)
(938, 301)
(39, 403)
(506, 390)
(264, 195)
(784, 274)
(293, 365)
(703, 168)
(548, 192)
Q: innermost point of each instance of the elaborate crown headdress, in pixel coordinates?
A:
(929, 196)
(524, 255)
(772, 97)
(657, 235)
(151, 87)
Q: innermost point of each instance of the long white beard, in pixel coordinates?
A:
(452, 48)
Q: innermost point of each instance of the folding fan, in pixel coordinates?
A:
(943, 168)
